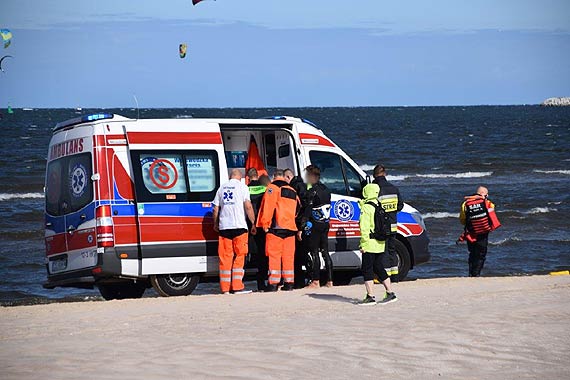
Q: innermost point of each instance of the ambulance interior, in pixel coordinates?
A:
(276, 148)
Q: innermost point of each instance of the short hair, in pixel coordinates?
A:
(278, 173)
(252, 172)
(313, 170)
(289, 171)
(379, 170)
(264, 179)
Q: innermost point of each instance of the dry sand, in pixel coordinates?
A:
(459, 328)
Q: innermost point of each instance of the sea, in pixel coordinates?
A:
(435, 155)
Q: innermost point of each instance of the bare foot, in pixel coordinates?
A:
(330, 284)
(314, 284)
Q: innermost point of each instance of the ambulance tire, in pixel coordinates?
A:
(176, 284)
(121, 290)
(404, 260)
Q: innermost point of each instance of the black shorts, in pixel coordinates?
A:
(374, 264)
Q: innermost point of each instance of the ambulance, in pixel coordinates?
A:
(128, 201)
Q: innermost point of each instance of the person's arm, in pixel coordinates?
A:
(267, 209)
(215, 214)
(250, 215)
(462, 217)
(366, 223)
(400, 201)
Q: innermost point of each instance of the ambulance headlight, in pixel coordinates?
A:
(419, 219)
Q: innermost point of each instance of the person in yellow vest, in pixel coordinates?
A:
(374, 251)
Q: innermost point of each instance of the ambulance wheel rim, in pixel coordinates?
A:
(178, 281)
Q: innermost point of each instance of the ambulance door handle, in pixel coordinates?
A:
(48, 224)
(83, 217)
(71, 228)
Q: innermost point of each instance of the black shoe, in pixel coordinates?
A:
(271, 288)
(368, 301)
(388, 298)
(287, 287)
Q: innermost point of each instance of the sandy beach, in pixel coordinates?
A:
(486, 328)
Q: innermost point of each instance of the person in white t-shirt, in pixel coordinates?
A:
(231, 205)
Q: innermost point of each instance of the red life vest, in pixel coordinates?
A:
(480, 216)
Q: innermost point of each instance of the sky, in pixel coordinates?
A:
(269, 53)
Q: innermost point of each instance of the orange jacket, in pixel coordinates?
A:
(279, 207)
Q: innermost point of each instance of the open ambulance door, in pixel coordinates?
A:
(176, 168)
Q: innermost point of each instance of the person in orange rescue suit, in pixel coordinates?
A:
(279, 208)
(479, 218)
(231, 203)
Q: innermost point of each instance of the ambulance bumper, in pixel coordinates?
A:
(76, 279)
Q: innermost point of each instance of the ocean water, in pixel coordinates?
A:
(436, 155)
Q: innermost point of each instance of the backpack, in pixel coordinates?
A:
(382, 224)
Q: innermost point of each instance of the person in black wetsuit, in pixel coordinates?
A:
(257, 241)
(392, 202)
(317, 213)
(301, 246)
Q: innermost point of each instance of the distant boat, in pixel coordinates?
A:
(10, 110)
(27, 109)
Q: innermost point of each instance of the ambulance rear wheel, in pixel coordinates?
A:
(177, 284)
(121, 290)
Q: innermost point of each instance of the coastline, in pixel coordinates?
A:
(492, 327)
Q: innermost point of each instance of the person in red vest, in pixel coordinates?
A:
(479, 218)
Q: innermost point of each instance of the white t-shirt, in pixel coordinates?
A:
(230, 199)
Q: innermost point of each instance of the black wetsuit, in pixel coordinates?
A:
(386, 189)
(477, 254)
(319, 195)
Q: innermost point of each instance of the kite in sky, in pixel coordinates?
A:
(6, 37)
(182, 50)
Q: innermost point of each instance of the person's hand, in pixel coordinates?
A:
(300, 235)
(216, 227)
(361, 250)
(253, 230)
(266, 230)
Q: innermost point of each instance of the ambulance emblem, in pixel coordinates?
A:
(78, 180)
(343, 210)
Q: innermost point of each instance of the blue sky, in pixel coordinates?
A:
(256, 53)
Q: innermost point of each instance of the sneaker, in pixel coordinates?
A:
(243, 291)
(225, 293)
(388, 298)
(368, 301)
(287, 287)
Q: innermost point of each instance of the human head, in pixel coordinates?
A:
(264, 180)
(379, 171)
(288, 174)
(236, 174)
(252, 174)
(482, 191)
(278, 174)
(313, 174)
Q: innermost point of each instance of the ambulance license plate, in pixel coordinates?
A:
(59, 264)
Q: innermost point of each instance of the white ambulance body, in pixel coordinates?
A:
(128, 202)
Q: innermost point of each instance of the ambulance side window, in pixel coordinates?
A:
(331, 170)
(176, 176)
(353, 180)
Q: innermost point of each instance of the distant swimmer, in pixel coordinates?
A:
(479, 218)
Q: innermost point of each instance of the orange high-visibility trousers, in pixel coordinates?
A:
(281, 252)
(232, 253)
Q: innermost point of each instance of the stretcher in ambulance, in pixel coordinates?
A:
(128, 202)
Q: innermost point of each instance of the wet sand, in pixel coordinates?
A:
(457, 328)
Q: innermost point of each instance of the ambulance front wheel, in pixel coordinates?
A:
(178, 284)
(404, 260)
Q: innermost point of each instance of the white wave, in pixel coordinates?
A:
(183, 117)
(567, 172)
(505, 240)
(397, 177)
(366, 167)
(9, 196)
(456, 175)
(540, 210)
(440, 215)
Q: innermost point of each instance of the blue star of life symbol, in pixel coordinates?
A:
(344, 210)
(228, 196)
(78, 180)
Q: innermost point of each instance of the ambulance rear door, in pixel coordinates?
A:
(176, 166)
